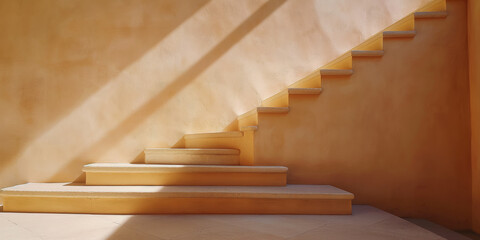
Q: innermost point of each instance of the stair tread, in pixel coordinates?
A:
(335, 72)
(399, 33)
(367, 53)
(215, 135)
(80, 190)
(203, 151)
(304, 90)
(249, 128)
(128, 167)
(440, 14)
(273, 109)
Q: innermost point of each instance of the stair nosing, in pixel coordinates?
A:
(336, 72)
(273, 109)
(304, 91)
(367, 53)
(166, 168)
(249, 128)
(433, 15)
(399, 34)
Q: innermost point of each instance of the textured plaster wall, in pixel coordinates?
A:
(98, 81)
(474, 64)
(396, 133)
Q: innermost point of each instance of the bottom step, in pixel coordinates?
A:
(74, 198)
(122, 174)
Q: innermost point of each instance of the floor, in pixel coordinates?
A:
(442, 231)
(366, 222)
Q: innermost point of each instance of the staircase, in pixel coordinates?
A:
(213, 172)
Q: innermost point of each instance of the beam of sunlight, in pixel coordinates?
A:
(128, 100)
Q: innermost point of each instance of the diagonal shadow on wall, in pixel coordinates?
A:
(130, 123)
(59, 53)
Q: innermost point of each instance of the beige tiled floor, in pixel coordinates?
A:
(365, 223)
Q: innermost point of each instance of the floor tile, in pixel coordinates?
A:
(169, 226)
(277, 225)
(10, 230)
(57, 226)
(227, 232)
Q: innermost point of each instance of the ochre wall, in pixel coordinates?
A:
(98, 81)
(474, 64)
(396, 133)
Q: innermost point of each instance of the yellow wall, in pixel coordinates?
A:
(98, 81)
(396, 133)
(474, 64)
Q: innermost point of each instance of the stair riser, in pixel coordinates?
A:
(245, 144)
(187, 179)
(152, 205)
(313, 80)
(360, 62)
(214, 143)
(278, 100)
(197, 159)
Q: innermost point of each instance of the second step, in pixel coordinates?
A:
(193, 156)
(192, 175)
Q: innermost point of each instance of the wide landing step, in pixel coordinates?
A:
(194, 175)
(72, 198)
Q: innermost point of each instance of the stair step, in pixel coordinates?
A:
(363, 53)
(304, 91)
(195, 156)
(78, 198)
(193, 175)
(214, 135)
(399, 34)
(336, 72)
(249, 128)
(442, 14)
(273, 109)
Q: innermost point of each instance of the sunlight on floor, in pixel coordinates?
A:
(365, 223)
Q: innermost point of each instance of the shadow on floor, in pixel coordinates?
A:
(443, 231)
(470, 234)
